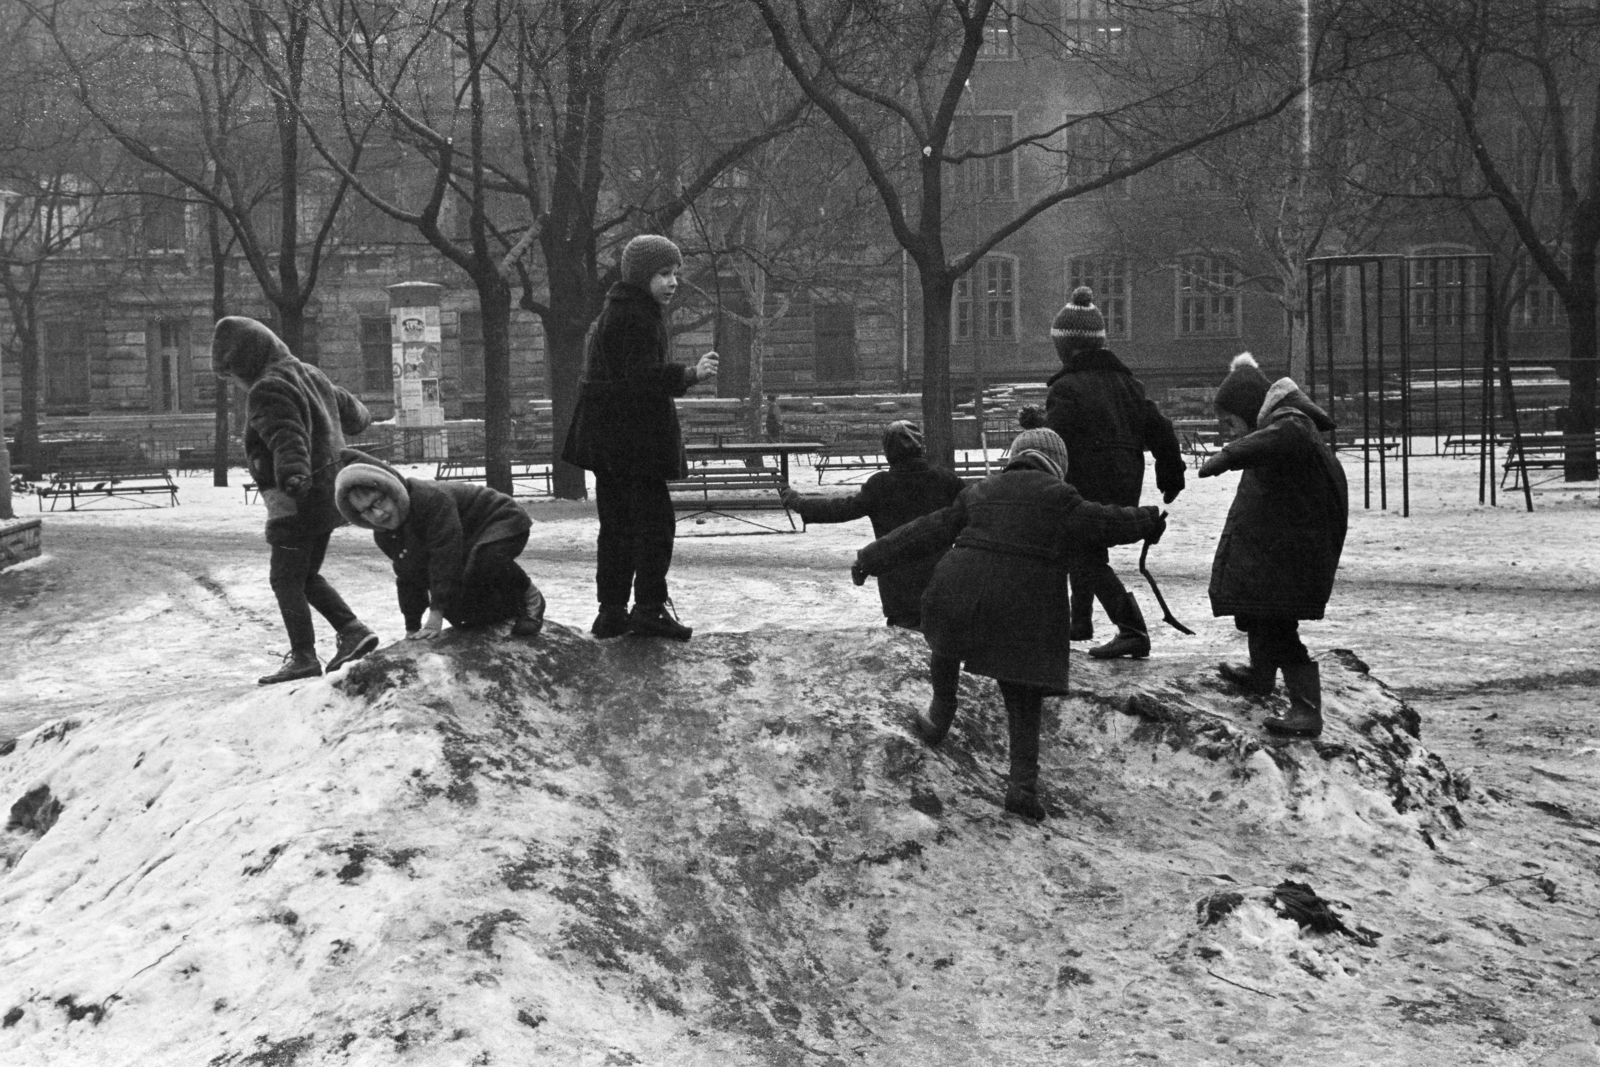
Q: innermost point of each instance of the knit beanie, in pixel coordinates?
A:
(372, 477)
(1079, 323)
(1243, 390)
(902, 440)
(646, 254)
(1044, 443)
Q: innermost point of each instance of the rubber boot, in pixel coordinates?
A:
(1133, 639)
(932, 725)
(1304, 718)
(1259, 677)
(1082, 626)
(1024, 708)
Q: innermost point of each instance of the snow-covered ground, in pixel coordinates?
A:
(731, 852)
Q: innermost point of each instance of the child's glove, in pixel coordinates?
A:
(858, 573)
(297, 485)
(1213, 466)
(790, 498)
(1154, 537)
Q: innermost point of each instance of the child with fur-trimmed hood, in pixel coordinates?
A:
(454, 547)
(1279, 551)
(295, 426)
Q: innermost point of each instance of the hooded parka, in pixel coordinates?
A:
(1101, 412)
(1280, 546)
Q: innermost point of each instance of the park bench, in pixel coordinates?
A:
(103, 470)
(722, 489)
(1537, 452)
(531, 472)
(860, 456)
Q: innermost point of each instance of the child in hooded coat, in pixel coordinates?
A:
(1279, 550)
(997, 602)
(909, 489)
(295, 426)
(454, 547)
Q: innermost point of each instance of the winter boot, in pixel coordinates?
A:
(297, 664)
(1132, 639)
(611, 622)
(932, 725)
(1259, 677)
(355, 641)
(530, 619)
(1304, 718)
(1024, 708)
(657, 620)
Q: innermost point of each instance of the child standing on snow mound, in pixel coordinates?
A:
(1102, 414)
(295, 426)
(998, 600)
(626, 432)
(909, 489)
(1280, 547)
(454, 547)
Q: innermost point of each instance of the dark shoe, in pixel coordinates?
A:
(296, 665)
(1245, 675)
(657, 620)
(1023, 800)
(611, 622)
(1133, 637)
(530, 620)
(1304, 717)
(354, 643)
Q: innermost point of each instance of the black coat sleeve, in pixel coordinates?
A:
(1161, 441)
(916, 540)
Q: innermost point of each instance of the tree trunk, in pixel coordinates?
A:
(1299, 352)
(1580, 463)
(937, 288)
(494, 301)
(26, 454)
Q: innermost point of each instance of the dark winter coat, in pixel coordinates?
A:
(908, 490)
(1100, 410)
(431, 550)
(296, 421)
(626, 422)
(998, 598)
(1280, 547)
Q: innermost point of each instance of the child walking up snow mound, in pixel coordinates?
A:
(454, 547)
(1280, 547)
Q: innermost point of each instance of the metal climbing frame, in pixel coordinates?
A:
(1405, 345)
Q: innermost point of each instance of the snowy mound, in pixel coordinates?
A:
(726, 852)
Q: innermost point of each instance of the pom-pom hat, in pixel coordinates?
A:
(647, 254)
(1243, 390)
(1044, 443)
(1079, 323)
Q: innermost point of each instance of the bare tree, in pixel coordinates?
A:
(893, 77)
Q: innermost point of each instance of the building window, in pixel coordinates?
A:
(1108, 277)
(162, 217)
(1093, 27)
(1331, 288)
(1207, 297)
(999, 37)
(61, 220)
(1540, 307)
(834, 331)
(66, 362)
(995, 317)
(988, 177)
(1534, 161)
(1195, 177)
(1444, 292)
(1092, 152)
(472, 352)
(377, 355)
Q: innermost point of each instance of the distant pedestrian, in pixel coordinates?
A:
(454, 546)
(1100, 410)
(626, 431)
(1280, 548)
(909, 489)
(295, 426)
(997, 602)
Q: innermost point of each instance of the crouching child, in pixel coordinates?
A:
(909, 489)
(454, 547)
(997, 602)
(1279, 551)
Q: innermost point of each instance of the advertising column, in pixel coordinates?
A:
(415, 339)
